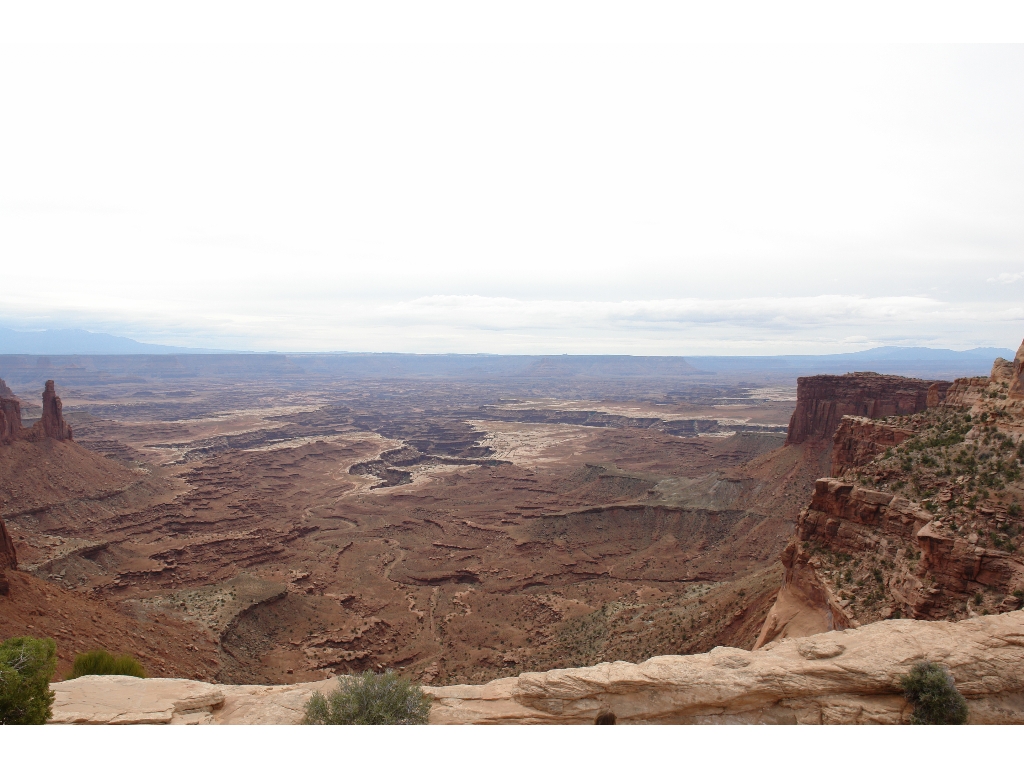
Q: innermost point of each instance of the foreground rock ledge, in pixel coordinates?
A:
(835, 677)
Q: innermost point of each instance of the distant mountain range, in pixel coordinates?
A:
(876, 355)
(907, 361)
(922, 362)
(79, 342)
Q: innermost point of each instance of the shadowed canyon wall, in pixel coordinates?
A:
(8, 558)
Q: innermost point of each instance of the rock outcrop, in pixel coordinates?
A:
(805, 605)
(859, 440)
(1017, 376)
(121, 700)
(10, 414)
(822, 401)
(876, 554)
(894, 553)
(51, 425)
(843, 677)
(8, 558)
(10, 425)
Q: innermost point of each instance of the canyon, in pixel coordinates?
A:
(286, 524)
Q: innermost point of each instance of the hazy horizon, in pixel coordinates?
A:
(75, 341)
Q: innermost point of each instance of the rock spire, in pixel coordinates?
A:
(51, 425)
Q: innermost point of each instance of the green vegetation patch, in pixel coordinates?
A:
(370, 699)
(930, 688)
(103, 663)
(26, 666)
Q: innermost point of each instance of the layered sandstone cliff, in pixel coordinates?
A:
(923, 517)
(822, 401)
(10, 414)
(859, 440)
(862, 555)
(1017, 375)
(10, 425)
(8, 558)
(844, 677)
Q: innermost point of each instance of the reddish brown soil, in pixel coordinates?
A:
(166, 646)
(313, 529)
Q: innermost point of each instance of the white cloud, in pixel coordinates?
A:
(1006, 278)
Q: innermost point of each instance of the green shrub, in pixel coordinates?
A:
(930, 688)
(26, 666)
(103, 663)
(370, 699)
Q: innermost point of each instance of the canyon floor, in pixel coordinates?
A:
(279, 526)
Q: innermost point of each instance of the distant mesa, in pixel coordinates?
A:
(51, 425)
(822, 401)
(80, 342)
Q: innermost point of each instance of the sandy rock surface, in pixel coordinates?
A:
(849, 676)
(116, 699)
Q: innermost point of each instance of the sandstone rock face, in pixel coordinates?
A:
(806, 605)
(116, 699)
(10, 414)
(966, 392)
(8, 558)
(52, 423)
(859, 440)
(842, 677)
(1002, 371)
(998, 399)
(822, 401)
(930, 572)
(849, 676)
(1017, 380)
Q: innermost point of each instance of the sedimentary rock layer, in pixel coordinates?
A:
(1017, 380)
(8, 558)
(850, 676)
(859, 440)
(51, 425)
(10, 414)
(823, 400)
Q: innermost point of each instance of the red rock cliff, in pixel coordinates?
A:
(859, 440)
(822, 401)
(908, 562)
(1017, 381)
(8, 558)
(10, 414)
(53, 424)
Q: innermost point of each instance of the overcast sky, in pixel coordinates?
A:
(544, 178)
